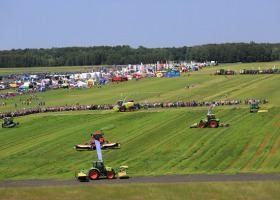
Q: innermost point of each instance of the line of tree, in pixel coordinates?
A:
(123, 55)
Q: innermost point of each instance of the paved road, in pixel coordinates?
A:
(153, 179)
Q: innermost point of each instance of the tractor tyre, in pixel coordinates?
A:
(213, 124)
(131, 109)
(201, 125)
(122, 109)
(93, 174)
(111, 175)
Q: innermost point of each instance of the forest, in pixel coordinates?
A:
(123, 55)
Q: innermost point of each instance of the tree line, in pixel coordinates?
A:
(123, 55)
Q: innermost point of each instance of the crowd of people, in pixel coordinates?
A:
(77, 107)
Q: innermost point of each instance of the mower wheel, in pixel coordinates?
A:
(131, 109)
(201, 125)
(111, 175)
(93, 174)
(213, 124)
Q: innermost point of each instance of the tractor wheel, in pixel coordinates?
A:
(93, 174)
(213, 124)
(111, 175)
(201, 125)
(122, 109)
(131, 109)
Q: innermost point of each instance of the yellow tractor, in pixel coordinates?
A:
(123, 106)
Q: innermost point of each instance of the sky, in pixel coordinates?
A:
(46, 24)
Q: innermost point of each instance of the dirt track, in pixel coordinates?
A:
(154, 179)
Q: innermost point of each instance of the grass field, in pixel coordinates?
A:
(153, 141)
(160, 191)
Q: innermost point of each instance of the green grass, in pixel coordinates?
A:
(160, 191)
(153, 141)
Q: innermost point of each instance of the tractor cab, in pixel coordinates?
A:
(119, 102)
(8, 120)
(211, 117)
(98, 136)
(99, 165)
(254, 107)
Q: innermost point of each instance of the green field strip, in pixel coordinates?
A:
(266, 151)
(191, 155)
(238, 141)
(274, 156)
(233, 89)
(251, 147)
(201, 157)
(189, 149)
(264, 137)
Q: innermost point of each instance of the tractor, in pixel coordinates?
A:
(9, 122)
(254, 107)
(123, 106)
(211, 121)
(98, 169)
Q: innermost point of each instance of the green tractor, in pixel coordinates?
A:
(98, 169)
(254, 107)
(9, 123)
(211, 122)
(123, 106)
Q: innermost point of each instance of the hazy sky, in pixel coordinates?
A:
(148, 23)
